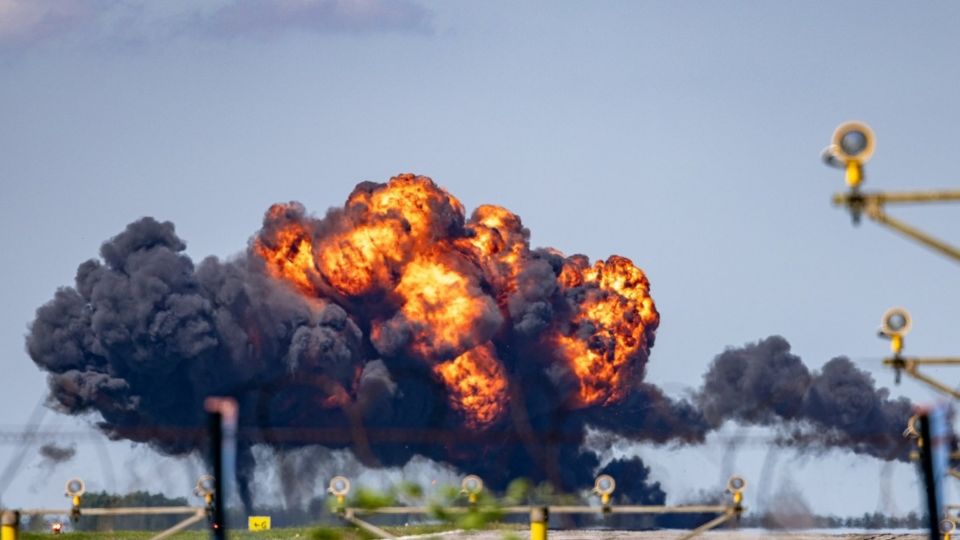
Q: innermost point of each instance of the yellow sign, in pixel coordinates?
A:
(258, 523)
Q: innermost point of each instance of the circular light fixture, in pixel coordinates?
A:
(204, 485)
(604, 484)
(736, 483)
(896, 322)
(912, 430)
(339, 486)
(75, 487)
(947, 526)
(853, 141)
(472, 484)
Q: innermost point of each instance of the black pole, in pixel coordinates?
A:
(217, 528)
(926, 464)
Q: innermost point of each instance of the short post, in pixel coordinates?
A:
(219, 410)
(539, 522)
(10, 525)
(216, 456)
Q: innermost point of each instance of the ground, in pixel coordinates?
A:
(306, 534)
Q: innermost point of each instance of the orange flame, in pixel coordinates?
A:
(499, 242)
(386, 228)
(442, 289)
(477, 384)
(289, 254)
(445, 305)
(620, 319)
(358, 260)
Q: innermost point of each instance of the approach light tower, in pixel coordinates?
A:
(850, 149)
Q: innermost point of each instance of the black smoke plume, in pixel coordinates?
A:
(839, 406)
(145, 335)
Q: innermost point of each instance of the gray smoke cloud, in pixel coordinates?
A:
(54, 454)
(763, 383)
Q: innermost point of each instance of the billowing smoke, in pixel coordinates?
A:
(397, 327)
(54, 454)
(764, 384)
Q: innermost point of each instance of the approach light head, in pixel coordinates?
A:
(947, 526)
(604, 485)
(851, 146)
(853, 142)
(736, 484)
(471, 484)
(896, 322)
(339, 486)
(204, 486)
(75, 487)
(912, 432)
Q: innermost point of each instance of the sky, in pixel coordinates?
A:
(683, 135)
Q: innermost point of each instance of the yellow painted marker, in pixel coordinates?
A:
(258, 523)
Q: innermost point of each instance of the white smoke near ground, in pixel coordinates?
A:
(294, 478)
(789, 509)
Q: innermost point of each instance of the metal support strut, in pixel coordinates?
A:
(873, 205)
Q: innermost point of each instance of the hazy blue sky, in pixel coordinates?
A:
(684, 135)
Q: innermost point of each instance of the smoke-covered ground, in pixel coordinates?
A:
(395, 327)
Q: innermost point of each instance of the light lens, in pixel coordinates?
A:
(853, 142)
(897, 321)
(736, 483)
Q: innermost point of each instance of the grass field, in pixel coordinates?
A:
(189, 535)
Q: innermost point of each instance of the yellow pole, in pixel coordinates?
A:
(10, 525)
(854, 173)
(75, 509)
(896, 344)
(605, 501)
(539, 516)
